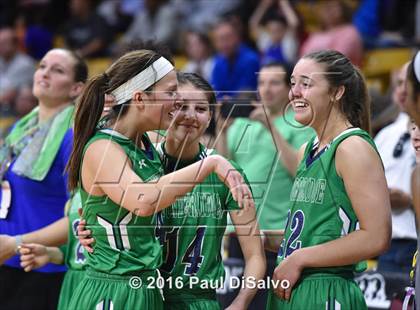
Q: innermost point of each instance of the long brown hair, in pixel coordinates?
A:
(91, 104)
(339, 71)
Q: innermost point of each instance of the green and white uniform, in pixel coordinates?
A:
(321, 211)
(125, 244)
(75, 256)
(191, 232)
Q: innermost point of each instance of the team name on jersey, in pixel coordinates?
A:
(309, 190)
(196, 204)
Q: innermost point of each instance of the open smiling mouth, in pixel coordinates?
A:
(300, 104)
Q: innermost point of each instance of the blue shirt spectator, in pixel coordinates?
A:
(38, 203)
(232, 75)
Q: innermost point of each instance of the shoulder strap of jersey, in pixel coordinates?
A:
(353, 132)
(104, 134)
(159, 149)
(309, 147)
(107, 134)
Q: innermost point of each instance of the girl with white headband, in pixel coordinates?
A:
(119, 175)
(413, 107)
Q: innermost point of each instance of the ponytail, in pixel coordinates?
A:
(88, 112)
(90, 106)
(363, 100)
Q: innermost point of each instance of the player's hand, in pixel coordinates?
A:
(33, 256)
(286, 275)
(234, 181)
(84, 236)
(7, 247)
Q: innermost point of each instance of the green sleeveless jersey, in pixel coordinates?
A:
(320, 209)
(75, 253)
(124, 243)
(191, 232)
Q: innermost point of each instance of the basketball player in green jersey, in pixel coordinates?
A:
(191, 230)
(35, 255)
(118, 173)
(339, 204)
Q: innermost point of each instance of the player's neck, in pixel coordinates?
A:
(331, 129)
(182, 149)
(125, 126)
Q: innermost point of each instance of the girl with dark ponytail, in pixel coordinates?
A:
(120, 178)
(339, 205)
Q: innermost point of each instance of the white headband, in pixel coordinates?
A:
(143, 80)
(416, 66)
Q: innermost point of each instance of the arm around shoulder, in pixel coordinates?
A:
(124, 187)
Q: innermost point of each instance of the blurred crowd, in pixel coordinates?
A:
(226, 42)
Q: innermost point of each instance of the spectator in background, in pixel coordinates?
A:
(8, 12)
(25, 102)
(33, 184)
(385, 108)
(367, 21)
(157, 21)
(130, 7)
(337, 32)
(382, 111)
(398, 21)
(265, 146)
(276, 39)
(417, 23)
(36, 36)
(16, 69)
(236, 65)
(199, 51)
(201, 15)
(115, 14)
(86, 32)
(393, 143)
